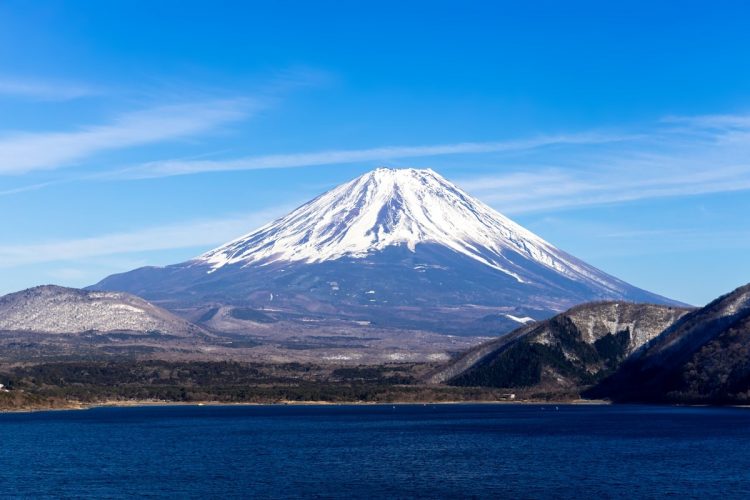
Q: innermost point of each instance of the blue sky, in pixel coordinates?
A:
(138, 133)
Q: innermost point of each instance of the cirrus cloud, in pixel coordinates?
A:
(25, 152)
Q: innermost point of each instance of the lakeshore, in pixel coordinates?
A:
(78, 405)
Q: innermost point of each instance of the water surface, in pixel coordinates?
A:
(522, 451)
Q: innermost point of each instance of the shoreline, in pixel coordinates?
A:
(78, 406)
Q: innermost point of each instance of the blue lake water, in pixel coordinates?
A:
(518, 451)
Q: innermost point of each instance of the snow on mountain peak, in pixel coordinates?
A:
(398, 207)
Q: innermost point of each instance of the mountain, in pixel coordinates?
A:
(400, 248)
(703, 358)
(564, 353)
(57, 310)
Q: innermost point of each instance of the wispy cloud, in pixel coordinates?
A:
(684, 156)
(45, 90)
(30, 187)
(712, 121)
(556, 189)
(190, 234)
(25, 152)
(380, 154)
(678, 156)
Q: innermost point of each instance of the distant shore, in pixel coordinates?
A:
(78, 406)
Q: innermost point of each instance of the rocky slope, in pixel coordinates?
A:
(57, 310)
(397, 248)
(704, 357)
(569, 351)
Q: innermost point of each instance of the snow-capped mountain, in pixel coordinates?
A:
(406, 207)
(400, 247)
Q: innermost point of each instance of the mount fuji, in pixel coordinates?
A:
(401, 248)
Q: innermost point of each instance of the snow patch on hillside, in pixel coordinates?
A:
(524, 320)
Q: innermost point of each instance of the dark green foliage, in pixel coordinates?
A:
(719, 372)
(518, 366)
(239, 342)
(247, 314)
(522, 363)
(227, 382)
(613, 348)
(570, 340)
(704, 358)
(208, 315)
(136, 372)
(381, 374)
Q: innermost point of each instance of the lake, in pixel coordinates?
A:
(519, 451)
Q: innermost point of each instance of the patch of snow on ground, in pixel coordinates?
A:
(524, 319)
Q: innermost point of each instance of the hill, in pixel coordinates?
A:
(703, 358)
(570, 351)
(58, 310)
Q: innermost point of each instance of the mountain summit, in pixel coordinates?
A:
(402, 207)
(399, 247)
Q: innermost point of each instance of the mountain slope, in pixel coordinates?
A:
(566, 352)
(403, 248)
(704, 357)
(58, 310)
(407, 207)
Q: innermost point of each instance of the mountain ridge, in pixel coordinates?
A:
(565, 352)
(702, 358)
